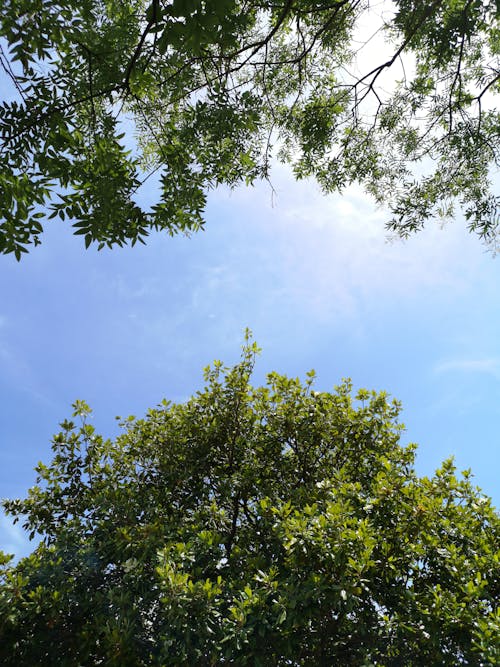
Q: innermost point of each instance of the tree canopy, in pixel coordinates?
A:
(209, 92)
(272, 525)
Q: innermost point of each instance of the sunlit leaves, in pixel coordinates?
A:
(264, 525)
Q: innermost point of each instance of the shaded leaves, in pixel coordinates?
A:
(209, 92)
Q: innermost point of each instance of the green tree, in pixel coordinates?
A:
(274, 525)
(213, 90)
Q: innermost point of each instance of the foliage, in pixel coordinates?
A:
(214, 89)
(274, 525)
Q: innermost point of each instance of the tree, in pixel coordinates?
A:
(275, 525)
(213, 90)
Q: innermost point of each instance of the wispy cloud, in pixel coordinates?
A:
(331, 253)
(490, 366)
(17, 369)
(13, 539)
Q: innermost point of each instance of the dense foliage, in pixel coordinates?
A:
(275, 525)
(214, 90)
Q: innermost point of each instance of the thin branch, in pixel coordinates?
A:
(495, 79)
(8, 70)
(138, 48)
(60, 107)
(377, 71)
(457, 79)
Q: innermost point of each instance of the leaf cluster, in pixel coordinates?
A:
(214, 90)
(271, 525)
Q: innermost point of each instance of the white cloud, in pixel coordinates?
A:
(490, 366)
(332, 252)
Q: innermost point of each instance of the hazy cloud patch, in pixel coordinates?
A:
(490, 366)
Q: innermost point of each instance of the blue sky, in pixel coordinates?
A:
(314, 278)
